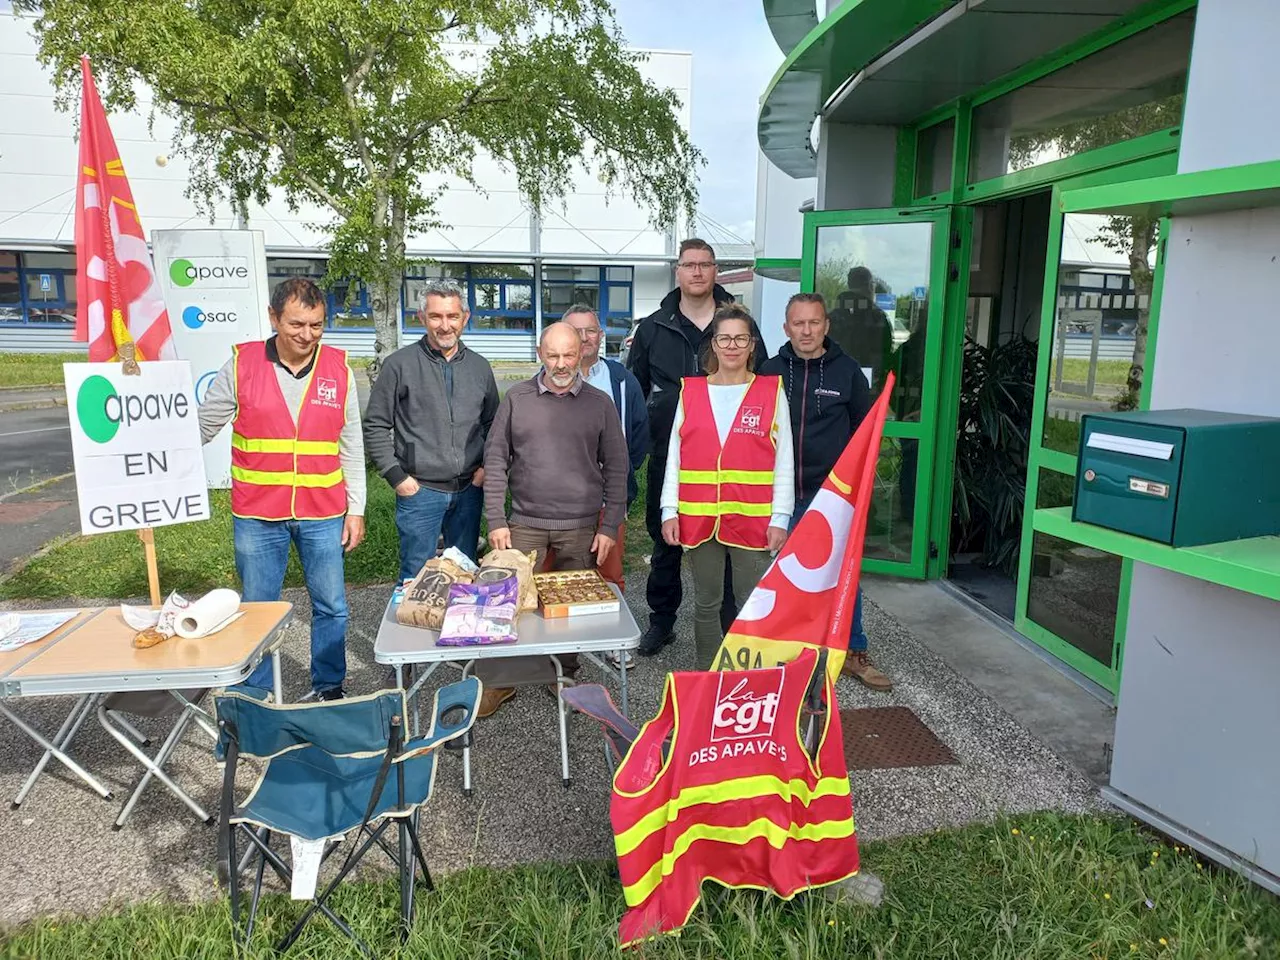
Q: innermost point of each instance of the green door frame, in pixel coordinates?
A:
(1041, 457)
(924, 430)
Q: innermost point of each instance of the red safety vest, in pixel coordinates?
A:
(726, 492)
(281, 470)
(735, 797)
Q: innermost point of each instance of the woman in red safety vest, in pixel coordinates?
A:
(730, 483)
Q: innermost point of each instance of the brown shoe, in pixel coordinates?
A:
(857, 665)
(492, 699)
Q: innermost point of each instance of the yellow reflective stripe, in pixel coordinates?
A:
(725, 508)
(762, 477)
(738, 836)
(744, 788)
(285, 478)
(284, 445)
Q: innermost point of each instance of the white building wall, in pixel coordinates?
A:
(37, 182)
(779, 234)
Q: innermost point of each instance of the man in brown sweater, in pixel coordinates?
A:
(557, 445)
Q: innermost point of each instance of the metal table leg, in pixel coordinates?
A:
(277, 683)
(561, 710)
(622, 680)
(151, 766)
(55, 747)
(190, 712)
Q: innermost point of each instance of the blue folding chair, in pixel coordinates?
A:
(327, 767)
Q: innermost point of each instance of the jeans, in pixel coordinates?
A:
(707, 562)
(857, 636)
(421, 517)
(664, 591)
(262, 552)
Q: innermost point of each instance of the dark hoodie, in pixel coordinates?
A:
(667, 346)
(828, 398)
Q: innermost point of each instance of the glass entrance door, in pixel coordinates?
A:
(883, 274)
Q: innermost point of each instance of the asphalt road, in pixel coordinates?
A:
(34, 446)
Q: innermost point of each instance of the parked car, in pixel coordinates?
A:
(625, 350)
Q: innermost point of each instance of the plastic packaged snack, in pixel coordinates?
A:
(480, 614)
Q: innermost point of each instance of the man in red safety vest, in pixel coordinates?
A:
(297, 469)
(734, 796)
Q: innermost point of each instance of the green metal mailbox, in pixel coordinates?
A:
(1181, 477)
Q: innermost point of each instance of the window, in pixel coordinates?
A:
(339, 313)
(502, 297)
(1129, 89)
(37, 288)
(606, 290)
(934, 147)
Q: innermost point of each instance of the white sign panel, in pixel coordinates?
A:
(215, 287)
(136, 445)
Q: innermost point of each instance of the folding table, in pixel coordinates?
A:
(398, 645)
(93, 655)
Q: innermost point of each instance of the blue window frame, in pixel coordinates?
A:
(339, 314)
(37, 289)
(607, 290)
(499, 295)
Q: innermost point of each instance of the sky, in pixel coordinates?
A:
(734, 56)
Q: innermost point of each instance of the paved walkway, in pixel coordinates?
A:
(61, 855)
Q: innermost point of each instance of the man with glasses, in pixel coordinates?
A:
(612, 378)
(669, 344)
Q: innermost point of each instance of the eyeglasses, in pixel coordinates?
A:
(589, 333)
(697, 266)
(733, 339)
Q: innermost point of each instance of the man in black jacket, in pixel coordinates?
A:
(425, 428)
(828, 397)
(668, 345)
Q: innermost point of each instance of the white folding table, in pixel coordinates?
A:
(589, 636)
(93, 655)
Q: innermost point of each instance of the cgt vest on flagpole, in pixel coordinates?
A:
(718, 786)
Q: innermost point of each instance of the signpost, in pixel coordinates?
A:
(215, 288)
(135, 440)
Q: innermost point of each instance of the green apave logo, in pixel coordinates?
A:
(101, 410)
(182, 273)
(91, 409)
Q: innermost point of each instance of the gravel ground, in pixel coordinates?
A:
(61, 855)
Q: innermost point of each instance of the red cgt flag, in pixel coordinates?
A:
(117, 298)
(806, 597)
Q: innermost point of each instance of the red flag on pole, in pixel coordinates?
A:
(117, 298)
(806, 597)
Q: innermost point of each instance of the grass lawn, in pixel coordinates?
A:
(196, 557)
(35, 369)
(1041, 886)
(1076, 370)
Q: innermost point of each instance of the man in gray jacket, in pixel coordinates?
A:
(425, 428)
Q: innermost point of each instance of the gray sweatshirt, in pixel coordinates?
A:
(428, 417)
(219, 409)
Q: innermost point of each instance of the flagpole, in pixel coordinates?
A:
(126, 348)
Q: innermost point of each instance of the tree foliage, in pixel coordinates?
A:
(369, 107)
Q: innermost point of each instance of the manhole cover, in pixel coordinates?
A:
(29, 510)
(877, 738)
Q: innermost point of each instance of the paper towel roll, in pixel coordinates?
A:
(209, 614)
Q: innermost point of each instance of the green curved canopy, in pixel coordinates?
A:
(849, 38)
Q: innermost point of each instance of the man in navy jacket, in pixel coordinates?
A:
(614, 379)
(828, 397)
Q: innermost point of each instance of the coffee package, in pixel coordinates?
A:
(497, 565)
(426, 598)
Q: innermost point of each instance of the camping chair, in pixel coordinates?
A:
(327, 765)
